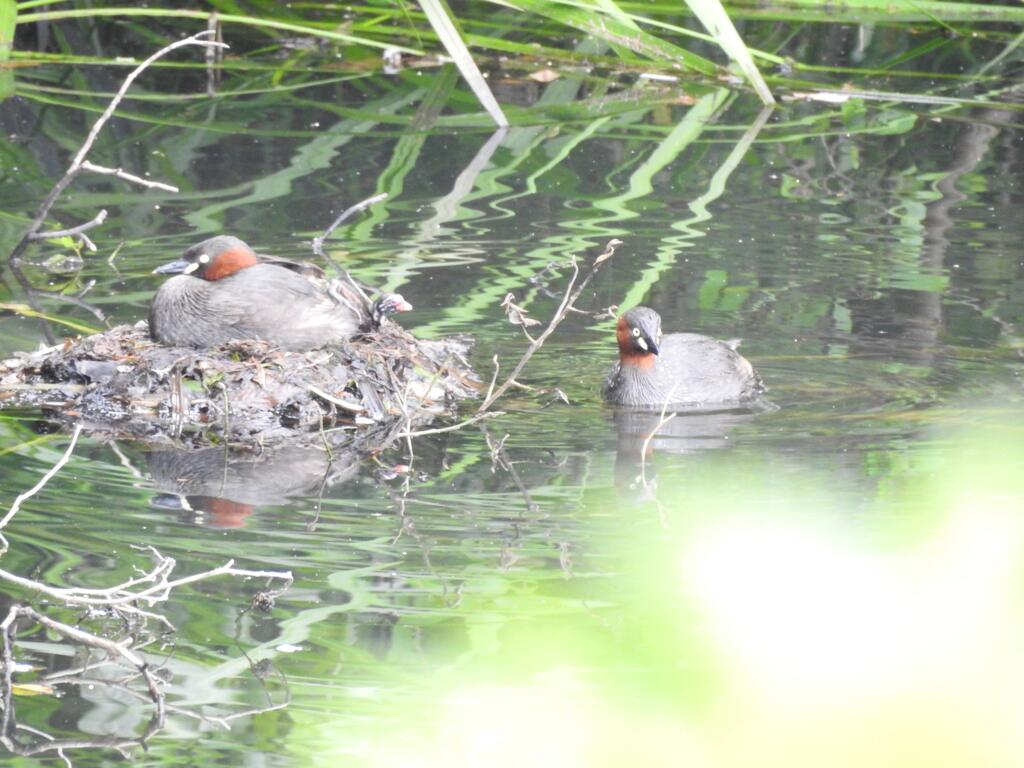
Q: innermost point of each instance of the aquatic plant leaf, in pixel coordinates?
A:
(614, 31)
(224, 18)
(8, 16)
(714, 18)
(449, 35)
(863, 11)
(31, 689)
(27, 311)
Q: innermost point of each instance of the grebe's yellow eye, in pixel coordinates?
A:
(204, 258)
(636, 332)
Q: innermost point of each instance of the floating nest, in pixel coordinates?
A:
(244, 392)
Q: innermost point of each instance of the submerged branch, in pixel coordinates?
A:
(479, 416)
(78, 162)
(122, 601)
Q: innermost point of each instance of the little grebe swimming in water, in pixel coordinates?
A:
(680, 368)
(223, 292)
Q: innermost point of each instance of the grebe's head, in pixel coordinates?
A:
(212, 259)
(639, 336)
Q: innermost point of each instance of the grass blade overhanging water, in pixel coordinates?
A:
(8, 19)
(224, 18)
(714, 18)
(444, 26)
(887, 11)
(614, 31)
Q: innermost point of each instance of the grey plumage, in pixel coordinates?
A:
(678, 368)
(226, 292)
(265, 301)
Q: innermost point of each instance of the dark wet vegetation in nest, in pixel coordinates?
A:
(245, 392)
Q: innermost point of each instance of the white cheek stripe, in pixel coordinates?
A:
(642, 343)
(190, 268)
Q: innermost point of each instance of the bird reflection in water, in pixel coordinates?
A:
(688, 432)
(222, 488)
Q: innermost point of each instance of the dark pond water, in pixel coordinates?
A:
(836, 582)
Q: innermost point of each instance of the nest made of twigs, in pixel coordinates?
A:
(241, 392)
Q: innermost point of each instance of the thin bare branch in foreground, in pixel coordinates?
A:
(662, 421)
(124, 600)
(452, 428)
(128, 623)
(119, 650)
(38, 486)
(98, 219)
(568, 300)
(318, 249)
(318, 242)
(121, 173)
(77, 162)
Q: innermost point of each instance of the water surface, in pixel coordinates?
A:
(833, 582)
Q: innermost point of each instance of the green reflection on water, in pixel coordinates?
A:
(841, 589)
(793, 619)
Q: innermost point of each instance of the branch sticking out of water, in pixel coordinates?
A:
(348, 213)
(38, 486)
(566, 306)
(129, 604)
(80, 230)
(662, 421)
(318, 249)
(79, 162)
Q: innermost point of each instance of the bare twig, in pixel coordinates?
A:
(98, 219)
(214, 55)
(318, 249)
(662, 421)
(125, 598)
(127, 602)
(343, 404)
(570, 297)
(117, 650)
(38, 486)
(452, 428)
(125, 461)
(47, 737)
(123, 174)
(406, 415)
(113, 255)
(494, 378)
(318, 242)
(500, 457)
(78, 160)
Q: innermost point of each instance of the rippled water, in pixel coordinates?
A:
(832, 582)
